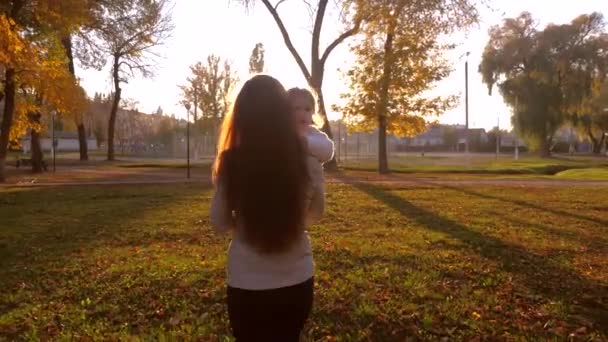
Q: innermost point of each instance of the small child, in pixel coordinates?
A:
(304, 107)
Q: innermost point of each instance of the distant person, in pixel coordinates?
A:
(267, 191)
(303, 105)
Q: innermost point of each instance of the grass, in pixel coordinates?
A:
(480, 164)
(429, 262)
(590, 174)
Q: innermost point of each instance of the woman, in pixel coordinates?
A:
(267, 192)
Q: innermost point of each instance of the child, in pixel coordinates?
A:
(318, 143)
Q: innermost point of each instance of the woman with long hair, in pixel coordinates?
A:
(267, 190)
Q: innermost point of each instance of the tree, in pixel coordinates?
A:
(78, 117)
(209, 88)
(546, 76)
(593, 120)
(35, 80)
(159, 111)
(125, 34)
(256, 61)
(398, 60)
(314, 74)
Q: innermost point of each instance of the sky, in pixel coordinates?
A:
(227, 29)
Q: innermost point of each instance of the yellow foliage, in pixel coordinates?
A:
(398, 62)
(43, 80)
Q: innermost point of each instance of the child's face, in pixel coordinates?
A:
(303, 111)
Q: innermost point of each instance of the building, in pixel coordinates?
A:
(66, 142)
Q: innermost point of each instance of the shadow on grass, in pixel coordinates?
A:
(589, 239)
(48, 263)
(50, 225)
(538, 273)
(521, 203)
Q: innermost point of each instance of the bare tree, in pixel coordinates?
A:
(314, 73)
(126, 33)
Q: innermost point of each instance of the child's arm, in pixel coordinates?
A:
(316, 205)
(319, 145)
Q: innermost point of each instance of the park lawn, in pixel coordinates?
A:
(480, 164)
(428, 262)
(589, 174)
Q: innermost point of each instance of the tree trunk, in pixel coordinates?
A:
(36, 153)
(545, 149)
(82, 135)
(114, 110)
(382, 155)
(383, 105)
(82, 143)
(316, 83)
(601, 143)
(7, 118)
(596, 146)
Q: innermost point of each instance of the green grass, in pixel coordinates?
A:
(478, 164)
(590, 174)
(141, 263)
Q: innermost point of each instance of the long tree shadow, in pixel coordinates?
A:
(588, 239)
(79, 216)
(415, 285)
(538, 273)
(52, 246)
(522, 203)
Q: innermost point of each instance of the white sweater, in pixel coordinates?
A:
(251, 270)
(319, 145)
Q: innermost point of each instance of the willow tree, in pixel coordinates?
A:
(315, 70)
(548, 75)
(592, 119)
(398, 61)
(125, 35)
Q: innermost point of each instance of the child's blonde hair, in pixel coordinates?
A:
(317, 120)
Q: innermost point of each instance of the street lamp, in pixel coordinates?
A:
(516, 141)
(466, 102)
(53, 113)
(497, 136)
(187, 105)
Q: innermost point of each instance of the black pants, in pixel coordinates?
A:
(270, 315)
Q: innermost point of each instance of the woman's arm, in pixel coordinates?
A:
(220, 215)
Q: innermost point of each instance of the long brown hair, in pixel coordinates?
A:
(262, 163)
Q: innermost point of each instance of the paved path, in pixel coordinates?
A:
(393, 181)
(489, 182)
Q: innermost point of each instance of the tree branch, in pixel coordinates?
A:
(339, 40)
(278, 3)
(287, 38)
(316, 31)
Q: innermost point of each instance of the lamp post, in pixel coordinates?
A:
(187, 105)
(498, 136)
(53, 113)
(516, 142)
(340, 140)
(466, 102)
(606, 135)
